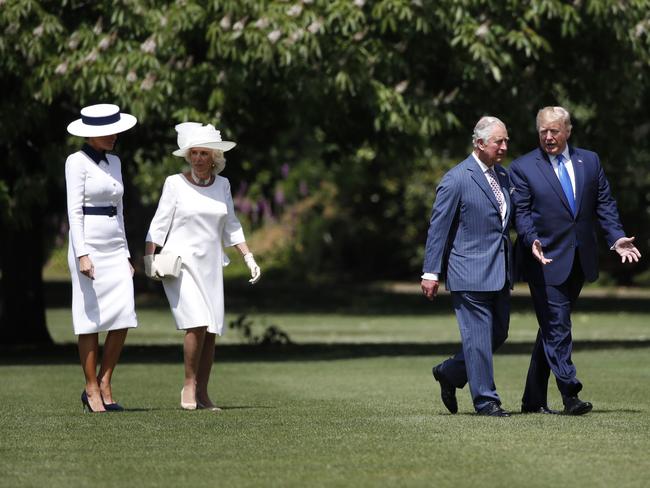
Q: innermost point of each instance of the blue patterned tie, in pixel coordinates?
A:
(565, 181)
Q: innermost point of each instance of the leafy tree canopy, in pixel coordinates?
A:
(346, 111)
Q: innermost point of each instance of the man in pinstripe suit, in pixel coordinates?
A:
(468, 245)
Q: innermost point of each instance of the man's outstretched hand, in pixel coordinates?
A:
(627, 250)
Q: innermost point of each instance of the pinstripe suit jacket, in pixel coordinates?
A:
(467, 244)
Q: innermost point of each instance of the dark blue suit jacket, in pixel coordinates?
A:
(467, 243)
(542, 212)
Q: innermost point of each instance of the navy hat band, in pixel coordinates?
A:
(105, 120)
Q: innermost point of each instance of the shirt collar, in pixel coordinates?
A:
(481, 164)
(92, 153)
(565, 155)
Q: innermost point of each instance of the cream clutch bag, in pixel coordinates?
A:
(167, 265)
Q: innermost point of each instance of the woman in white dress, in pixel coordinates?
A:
(98, 255)
(195, 219)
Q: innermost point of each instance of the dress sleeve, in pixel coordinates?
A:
(75, 182)
(233, 233)
(120, 207)
(164, 216)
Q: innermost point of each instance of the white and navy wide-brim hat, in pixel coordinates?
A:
(195, 134)
(103, 119)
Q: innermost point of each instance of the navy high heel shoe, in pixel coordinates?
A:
(86, 404)
(113, 407)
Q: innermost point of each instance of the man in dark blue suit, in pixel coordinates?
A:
(561, 194)
(468, 245)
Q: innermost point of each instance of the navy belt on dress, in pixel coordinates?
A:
(110, 211)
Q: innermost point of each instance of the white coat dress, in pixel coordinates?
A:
(195, 222)
(105, 303)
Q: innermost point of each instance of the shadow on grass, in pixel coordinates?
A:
(367, 299)
(226, 407)
(514, 413)
(170, 409)
(614, 410)
(243, 407)
(137, 354)
(281, 297)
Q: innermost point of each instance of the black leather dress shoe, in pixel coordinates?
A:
(447, 391)
(543, 409)
(493, 409)
(574, 406)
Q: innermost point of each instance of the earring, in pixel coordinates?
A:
(214, 165)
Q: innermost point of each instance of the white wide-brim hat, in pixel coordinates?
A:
(195, 134)
(103, 119)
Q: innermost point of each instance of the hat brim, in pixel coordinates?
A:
(78, 128)
(221, 145)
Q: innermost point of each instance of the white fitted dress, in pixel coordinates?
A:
(105, 303)
(195, 222)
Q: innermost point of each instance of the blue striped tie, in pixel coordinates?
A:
(565, 181)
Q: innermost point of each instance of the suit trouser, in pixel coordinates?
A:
(483, 320)
(553, 346)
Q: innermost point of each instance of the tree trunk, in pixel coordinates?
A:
(22, 303)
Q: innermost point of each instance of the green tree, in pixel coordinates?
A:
(346, 112)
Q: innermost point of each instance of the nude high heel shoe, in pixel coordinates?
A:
(187, 405)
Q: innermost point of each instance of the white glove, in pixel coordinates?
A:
(150, 268)
(256, 272)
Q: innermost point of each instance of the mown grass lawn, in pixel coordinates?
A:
(156, 326)
(312, 422)
(322, 417)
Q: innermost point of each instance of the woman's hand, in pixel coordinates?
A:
(256, 272)
(150, 267)
(131, 268)
(86, 266)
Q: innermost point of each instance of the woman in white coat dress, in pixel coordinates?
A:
(98, 255)
(194, 220)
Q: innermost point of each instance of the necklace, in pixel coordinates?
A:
(199, 181)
